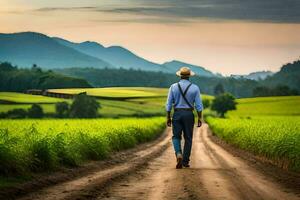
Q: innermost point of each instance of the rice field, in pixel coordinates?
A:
(268, 127)
(39, 145)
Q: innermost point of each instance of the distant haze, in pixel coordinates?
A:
(230, 37)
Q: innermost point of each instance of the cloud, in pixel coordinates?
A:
(49, 9)
(172, 11)
(145, 20)
(277, 11)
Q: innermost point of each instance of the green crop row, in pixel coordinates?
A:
(276, 138)
(39, 145)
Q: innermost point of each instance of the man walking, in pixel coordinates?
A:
(183, 96)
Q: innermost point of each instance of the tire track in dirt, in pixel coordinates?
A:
(214, 174)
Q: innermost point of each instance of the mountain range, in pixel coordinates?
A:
(261, 75)
(27, 48)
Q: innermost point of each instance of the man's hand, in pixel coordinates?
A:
(199, 123)
(199, 118)
(169, 122)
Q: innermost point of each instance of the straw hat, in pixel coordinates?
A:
(185, 72)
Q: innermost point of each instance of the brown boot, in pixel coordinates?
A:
(179, 161)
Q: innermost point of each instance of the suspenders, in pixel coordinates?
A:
(183, 93)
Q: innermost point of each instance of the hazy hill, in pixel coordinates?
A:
(27, 48)
(288, 75)
(174, 65)
(261, 75)
(116, 55)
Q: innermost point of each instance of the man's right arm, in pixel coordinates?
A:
(199, 118)
(169, 105)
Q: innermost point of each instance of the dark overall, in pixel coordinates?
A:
(183, 122)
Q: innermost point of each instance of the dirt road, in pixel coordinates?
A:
(214, 174)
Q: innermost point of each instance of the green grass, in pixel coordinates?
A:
(39, 145)
(13, 97)
(268, 127)
(267, 106)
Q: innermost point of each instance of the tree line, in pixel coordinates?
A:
(138, 78)
(284, 82)
(19, 80)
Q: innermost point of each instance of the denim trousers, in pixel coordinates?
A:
(183, 122)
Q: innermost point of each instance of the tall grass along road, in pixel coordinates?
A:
(40, 145)
(214, 174)
(268, 127)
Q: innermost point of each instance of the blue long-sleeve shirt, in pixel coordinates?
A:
(175, 98)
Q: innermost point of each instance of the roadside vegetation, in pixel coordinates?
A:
(39, 145)
(269, 127)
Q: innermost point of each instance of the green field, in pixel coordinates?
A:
(116, 92)
(39, 145)
(267, 106)
(136, 101)
(268, 127)
(13, 97)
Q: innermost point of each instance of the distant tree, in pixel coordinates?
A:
(223, 103)
(219, 89)
(36, 111)
(206, 103)
(84, 106)
(18, 113)
(35, 68)
(62, 109)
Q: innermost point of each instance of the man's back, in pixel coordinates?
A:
(176, 98)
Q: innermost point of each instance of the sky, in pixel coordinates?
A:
(225, 36)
